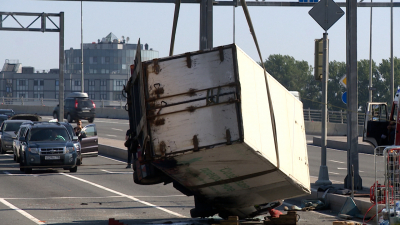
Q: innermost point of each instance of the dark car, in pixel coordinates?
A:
(8, 112)
(8, 130)
(89, 141)
(23, 116)
(76, 142)
(47, 145)
(2, 118)
(16, 143)
(77, 106)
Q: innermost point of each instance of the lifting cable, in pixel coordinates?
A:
(271, 109)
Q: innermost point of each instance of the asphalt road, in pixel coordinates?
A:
(102, 189)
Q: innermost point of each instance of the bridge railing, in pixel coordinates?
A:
(333, 116)
(309, 114)
(54, 102)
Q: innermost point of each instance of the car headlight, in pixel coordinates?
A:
(77, 147)
(69, 149)
(34, 150)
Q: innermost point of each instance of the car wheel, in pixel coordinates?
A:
(90, 120)
(69, 118)
(55, 115)
(1, 150)
(27, 170)
(74, 169)
(21, 164)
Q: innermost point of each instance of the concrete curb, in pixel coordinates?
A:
(336, 202)
(342, 145)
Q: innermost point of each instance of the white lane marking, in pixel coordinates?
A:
(127, 196)
(8, 173)
(111, 158)
(112, 196)
(116, 129)
(27, 215)
(103, 121)
(117, 172)
(110, 135)
(342, 168)
(334, 173)
(335, 161)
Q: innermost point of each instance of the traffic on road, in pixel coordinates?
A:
(101, 188)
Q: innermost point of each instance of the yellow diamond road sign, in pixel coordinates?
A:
(343, 81)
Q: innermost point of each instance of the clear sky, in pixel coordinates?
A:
(280, 30)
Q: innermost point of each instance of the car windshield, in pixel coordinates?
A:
(48, 134)
(70, 130)
(12, 126)
(6, 112)
(2, 119)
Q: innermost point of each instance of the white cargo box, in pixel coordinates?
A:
(208, 120)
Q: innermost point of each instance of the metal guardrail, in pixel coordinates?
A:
(309, 114)
(333, 116)
(54, 102)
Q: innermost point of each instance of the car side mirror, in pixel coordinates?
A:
(21, 138)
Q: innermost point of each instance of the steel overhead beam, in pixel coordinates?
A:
(43, 17)
(59, 28)
(251, 3)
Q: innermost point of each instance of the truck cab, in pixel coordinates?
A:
(377, 120)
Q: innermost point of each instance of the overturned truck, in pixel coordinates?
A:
(219, 128)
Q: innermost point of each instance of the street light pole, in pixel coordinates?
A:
(370, 58)
(82, 79)
(323, 177)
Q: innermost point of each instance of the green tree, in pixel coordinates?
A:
(363, 82)
(385, 71)
(335, 91)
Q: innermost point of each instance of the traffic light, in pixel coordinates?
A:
(318, 58)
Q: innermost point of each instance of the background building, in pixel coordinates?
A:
(106, 69)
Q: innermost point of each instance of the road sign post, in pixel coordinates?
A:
(325, 13)
(344, 97)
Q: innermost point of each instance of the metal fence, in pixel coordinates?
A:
(333, 116)
(54, 102)
(309, 114)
